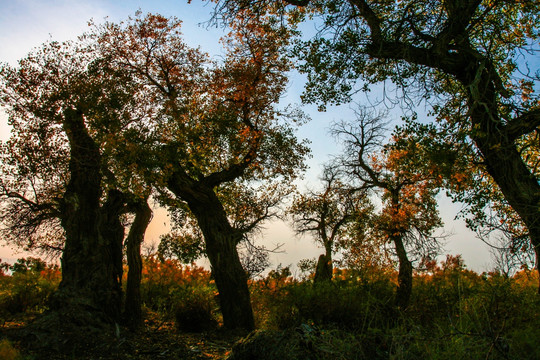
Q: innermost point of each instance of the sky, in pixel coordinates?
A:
(25, 24)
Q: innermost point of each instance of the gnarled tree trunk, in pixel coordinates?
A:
(221, 241)
(231, 279)
(91, 261)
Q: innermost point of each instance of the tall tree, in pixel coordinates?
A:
(215, 127)
(60, 188)
(52, 98)
(470, 59)
(407, 186)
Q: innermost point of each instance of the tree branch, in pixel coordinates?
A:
(523, 124)
(235, 170)
(298, 2)
(459, 16)
(373, 21)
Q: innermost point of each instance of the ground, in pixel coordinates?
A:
(158, 340)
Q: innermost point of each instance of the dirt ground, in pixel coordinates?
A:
(158, 340)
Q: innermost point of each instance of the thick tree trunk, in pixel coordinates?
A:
(324, 270)
(230, 277)
(221, 241)
(518, 184)
(112, 234)
(404, 290)
(132, 309)
(90, 273)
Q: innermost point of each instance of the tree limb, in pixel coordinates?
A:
(523, 124)
(459, 16)
(235, 170)
(373, 21)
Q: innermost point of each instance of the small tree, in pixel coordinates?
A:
(326, 214)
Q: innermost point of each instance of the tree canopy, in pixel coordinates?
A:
(214, 145)
(471, 60)
(129, 108)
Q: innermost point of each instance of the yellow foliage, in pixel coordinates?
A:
(8, 352)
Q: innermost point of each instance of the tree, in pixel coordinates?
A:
(486, 211)
(406, 185)
(46, 103)
(58, 188)
(214, 129)
(327, 214)
(469, 59)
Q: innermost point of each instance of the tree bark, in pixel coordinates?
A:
(90, 274)
(324, 270)
(231, 279)
(132, 308)
(503, 162)
(221, 240)
(404, 290)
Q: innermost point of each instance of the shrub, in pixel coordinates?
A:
(344, 303)
(195, 307)
(454, 313)
(28, 288)
(8, 352)
(185, 294)
(162, 282)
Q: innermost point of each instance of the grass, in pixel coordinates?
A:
(454, 314)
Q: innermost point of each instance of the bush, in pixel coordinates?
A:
(195, 309)
(454, 313)
(162, 282)
(305, 342)
(8, 352)
(345, 303)
(28, 289)
(184, 294)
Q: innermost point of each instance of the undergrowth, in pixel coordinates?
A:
(454, 313)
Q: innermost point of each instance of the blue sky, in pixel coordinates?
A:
(25, 24)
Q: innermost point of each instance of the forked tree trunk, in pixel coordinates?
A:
(132, 310)
(90, 274)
